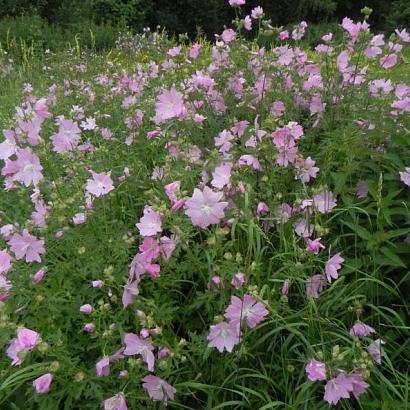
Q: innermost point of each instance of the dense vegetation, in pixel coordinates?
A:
(206, 225)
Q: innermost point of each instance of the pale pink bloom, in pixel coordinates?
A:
(5, 287)
(250, 161)
(38, 276)
(303, 228)
(89, 327)
(240, 127)
(316, 370)
(28, 168)
(388, 61)
(136, 345)
(5, 262)
(13, 351)
(167, 246)
(97, 283)
(284, 212)
(327, 37)
(150, 248)
(278, 108)
(262, 209)
(170, 104)
(131, 290)
(257, 13)
(405, 176)
(123, 374)
(26, 246)
(222, 176)
(306, 169)
(324, 202)
(342, 61)
(361, 330)
(89, 124)
(217, 283)
(158, 389)
(67, 138)
(314, 245)
(224, 336)
(102, 367)
(204, 207)
(285, 287)
(40, 108)
(194, 51)
(239, 280)
(101, 184)
(228, 35)
(8, 147)
(172, 189)
(150, 223)
(358, 384)
(338, 388)
(315, 285)
(163, 352)
(332, 267)
(223, 141)
(27, 338)
(284, 35)
(116, 402)
(87, 309)
(375, 350)
(403, 35)
(247, 23)
(175, 51)
(42, 384)
(79, 218)
(246, 309)
(362, 190)
(234, 3)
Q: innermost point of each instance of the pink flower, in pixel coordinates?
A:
(248, 310)
(175, 51)
(314, 245)
(285, 287)
(247, 23)
(42, 383)
(224, 336)
(284, 35)
(239, 280)
(262, 209)
(257, 12)
(388, 61)
(405, 176)
(222, 176)
(250, 161)
(116, 402)
(26, 246)
(204, 207)
(8, 147)
(170, 104)
(228, 35)
(338, 388)
(375, 350)
(194, 51)
(89, 327)
(13, 352)
(234, 3)
(315, 285)
(101, 184)
(316, 370)
(324, 202)
(403, 35)
(359, 385)
(5, 262)
(79, 218)
(306, 169)
(38, 276)
(362, 190)
(361, 330)
(28, 338)
(158, 389)
(67, 138)
(135, 345)
(167, 246)
(150, 223)
(28, 168)
(332, 267)
(87, 309)
(303, 228)
(103, 367)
